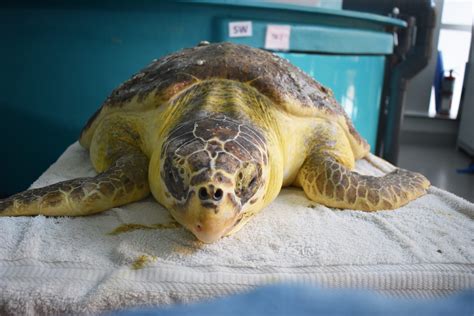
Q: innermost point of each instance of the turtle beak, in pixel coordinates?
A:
(208, 230)
(210, 213)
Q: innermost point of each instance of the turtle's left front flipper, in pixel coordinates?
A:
(125, 181)
(326, 180)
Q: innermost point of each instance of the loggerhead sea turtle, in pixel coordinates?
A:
(215, 132)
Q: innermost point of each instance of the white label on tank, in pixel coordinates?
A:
(240, 29)
(278, 37)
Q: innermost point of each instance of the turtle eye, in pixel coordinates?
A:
(176, 181)
(247, 181)
(252, 182)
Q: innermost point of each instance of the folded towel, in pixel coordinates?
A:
(75, 265)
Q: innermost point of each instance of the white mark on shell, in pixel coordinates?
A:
(203, 43)
(138, 76)
(200, 62)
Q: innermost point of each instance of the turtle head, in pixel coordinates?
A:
(214, 171)
(217, 200)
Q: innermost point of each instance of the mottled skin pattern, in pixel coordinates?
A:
(214, 132)
(124, 182)
(334, 185)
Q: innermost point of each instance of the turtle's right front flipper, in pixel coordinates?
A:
(125, 181)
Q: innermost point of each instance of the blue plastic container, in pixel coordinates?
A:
(60, 60)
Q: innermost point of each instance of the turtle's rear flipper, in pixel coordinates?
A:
(124, 182)
(329, 182)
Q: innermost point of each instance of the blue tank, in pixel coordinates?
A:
(60, 60)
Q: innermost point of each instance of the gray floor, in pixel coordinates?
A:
(439, 164)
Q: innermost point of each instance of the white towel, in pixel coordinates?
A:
(72, 265)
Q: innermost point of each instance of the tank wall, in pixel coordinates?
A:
(60, 61)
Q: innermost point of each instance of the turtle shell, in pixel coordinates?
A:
(285, 84)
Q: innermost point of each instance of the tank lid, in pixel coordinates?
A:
(356, 15)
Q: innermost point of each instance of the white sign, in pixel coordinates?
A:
(240, 29)
(278, 37)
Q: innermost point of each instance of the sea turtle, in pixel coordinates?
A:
(214, 132)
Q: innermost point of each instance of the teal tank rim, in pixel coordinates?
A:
(379, 19)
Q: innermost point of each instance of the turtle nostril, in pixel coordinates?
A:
(203, 195)
(218, 194)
